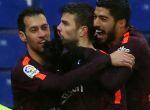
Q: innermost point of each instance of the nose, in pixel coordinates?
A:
(43, 33)
(59, 27)
(97, 22)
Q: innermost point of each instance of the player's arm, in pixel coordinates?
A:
(76, 76)
(113, 77)
(141, 51)
(30, 78)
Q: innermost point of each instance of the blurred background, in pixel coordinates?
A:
(11, 48)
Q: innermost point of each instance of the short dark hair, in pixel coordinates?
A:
(119, 9)
(83, 15)
(30, 11)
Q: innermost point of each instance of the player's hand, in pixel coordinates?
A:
(53, 51)
(120, 58)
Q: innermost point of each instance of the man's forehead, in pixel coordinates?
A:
(102, 10)
(35, 20)
(68, 17)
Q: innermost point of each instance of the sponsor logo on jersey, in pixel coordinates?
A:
(124, 49)
(30, 71)
(65, 96)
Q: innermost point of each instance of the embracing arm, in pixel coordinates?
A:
(76, 76)
(113, 77)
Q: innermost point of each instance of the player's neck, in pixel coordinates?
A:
(119, 35)
(35, 56)
(85, 43)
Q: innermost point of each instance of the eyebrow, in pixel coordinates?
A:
(102, 16)
(40, 25)
(64, 21)
(45, 24)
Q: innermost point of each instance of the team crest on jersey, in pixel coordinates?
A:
(30, 71)
(123, 49)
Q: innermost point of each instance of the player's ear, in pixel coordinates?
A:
(122, 23)
(84, 31)
(22, 36)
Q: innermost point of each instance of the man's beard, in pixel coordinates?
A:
(110, 38)
(70, 44)
(98, 43)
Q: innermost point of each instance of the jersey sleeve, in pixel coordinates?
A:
(141, 51)
(76, 76)
(113, 78)
(30, 78)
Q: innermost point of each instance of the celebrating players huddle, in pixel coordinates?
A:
(96, 62)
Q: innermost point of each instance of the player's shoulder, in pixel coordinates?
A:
(23, 66)
(137, 43)
(24, 60)
(27, 68)
(133, 41)
(137, 37)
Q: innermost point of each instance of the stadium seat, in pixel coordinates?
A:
(11, 48)
(5, 92)
(140, 14)
(9, 12)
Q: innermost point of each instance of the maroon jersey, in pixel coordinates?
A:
(99, 91)
(138, 86)
(36, 87)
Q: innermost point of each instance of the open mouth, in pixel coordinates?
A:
(42, 42)
(99, 33)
